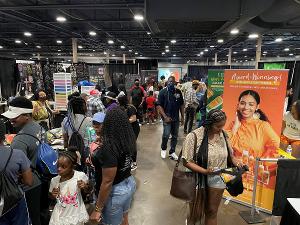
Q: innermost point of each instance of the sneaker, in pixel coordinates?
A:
(173, 156)
(163, 154)
(133, 166)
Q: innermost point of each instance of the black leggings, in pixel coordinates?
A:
(33, 199)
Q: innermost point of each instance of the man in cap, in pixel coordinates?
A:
(111, 101)
(191, 104)
(20, 115)
(94, 103)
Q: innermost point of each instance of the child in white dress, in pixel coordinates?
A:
(67, 188)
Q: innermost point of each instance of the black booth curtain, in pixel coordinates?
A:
(8, 77)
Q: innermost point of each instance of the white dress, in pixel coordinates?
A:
(70, 208)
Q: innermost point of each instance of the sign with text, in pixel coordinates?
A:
(215, 89)
(253, 101)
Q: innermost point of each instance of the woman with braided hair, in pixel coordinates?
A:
(76, 119)
(213, 153)
(115, 157)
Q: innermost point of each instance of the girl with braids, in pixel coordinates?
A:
(251, 133)
(76, 119)
(213, 153)
(66, 188)
(117, 186)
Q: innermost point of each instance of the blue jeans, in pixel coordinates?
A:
(170, 128)
(17, 215)
(119, 202)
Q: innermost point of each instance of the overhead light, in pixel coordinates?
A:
(113, 55)
(38, 46)
(91, 54)
(234, 52)
(141, 55)
(278, 40)
(212, 46)
(227, 55)
(174, 55)
(61, 19)
(105, 53)
(130, 50)
(201, 53)
(244, 50)
(220, 40)
(59, 50)
(245, 56)
(265, 52)
(110, 42)
(246, 60)
(198, 55)
(253, 36)
(1, 46)
(58, 54)
(94, 50)
(167, 50)
(69, 60)
(139, 17)
(27, 34)
(18, 41)
(136, 53)
(286, 49)
(291, 54)
(167, 46)
(163, 53)
(80, 47)
(173, 41)
(92, 33)
(252, 59)
(148, 33)
(206, 50)
(122, 46)
(59, 42)
(234, 31)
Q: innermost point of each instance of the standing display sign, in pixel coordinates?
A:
(62, 88)
(215, 89)
(253, 101)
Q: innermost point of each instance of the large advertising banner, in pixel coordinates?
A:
(215, 89)
(253, 101)
(170, 71)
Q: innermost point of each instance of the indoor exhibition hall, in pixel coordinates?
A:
(149, 112)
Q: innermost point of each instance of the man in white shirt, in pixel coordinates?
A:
(191, 104)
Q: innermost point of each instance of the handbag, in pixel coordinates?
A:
(184, 183)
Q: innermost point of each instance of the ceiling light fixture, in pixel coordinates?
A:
(167, 46)
(136, 53)
(58, 54)
(206, 50)
(80, 47)
(18, 41)
(148, 33)
(61, 19)
(234, 52)
(167, 50)
(139, 17)
(278, 40)
(38, 46)
(212, 46)
(173, 41)
(94, 50)
(130, 50)
(234, 31)
(59, 42)
(174, 55)
(27, 34)
(122, 47)
(163, 53)
(265, 52)
(291, 54)
(253, 36)
(286, 49)
(244, 50)
(92, 33)
(110, 42)
(220, 40)
(201, 53)
(1, 46)
(113, 55)
(105, 53)
(59, 50)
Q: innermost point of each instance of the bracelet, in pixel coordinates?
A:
(98, 208)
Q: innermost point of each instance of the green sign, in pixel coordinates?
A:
(274, 66)
(215, 89)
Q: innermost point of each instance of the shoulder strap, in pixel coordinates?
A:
(81, 123)
(229, 159)
(28, 135)
(9, 157)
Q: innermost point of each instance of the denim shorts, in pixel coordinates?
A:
(118, 202)
(215, 181)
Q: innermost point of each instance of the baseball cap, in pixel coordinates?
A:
(99, 117)
(94, 92)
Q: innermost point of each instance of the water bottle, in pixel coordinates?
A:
(289, 150)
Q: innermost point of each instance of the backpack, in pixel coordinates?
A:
(10, 193)
(77, 140)
(46, 162)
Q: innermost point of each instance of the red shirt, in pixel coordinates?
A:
(150, 102)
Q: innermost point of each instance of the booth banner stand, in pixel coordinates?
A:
(215, 90)
(253, 101)
(62, 89)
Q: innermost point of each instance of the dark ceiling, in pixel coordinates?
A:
(195, 24)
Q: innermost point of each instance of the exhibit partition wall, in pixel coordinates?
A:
(253, 101)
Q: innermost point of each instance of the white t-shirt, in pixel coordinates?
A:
(69, 208)
(292, 128)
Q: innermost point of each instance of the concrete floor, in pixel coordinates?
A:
(152, 203)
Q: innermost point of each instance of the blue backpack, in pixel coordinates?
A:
(46, 163)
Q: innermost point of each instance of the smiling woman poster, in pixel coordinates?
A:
(253, 101)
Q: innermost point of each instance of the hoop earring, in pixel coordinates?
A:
(256, 115)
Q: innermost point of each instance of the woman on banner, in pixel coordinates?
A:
(251, 134)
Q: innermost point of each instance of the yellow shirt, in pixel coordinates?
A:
(40, 111)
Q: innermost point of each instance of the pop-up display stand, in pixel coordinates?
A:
(62, 88)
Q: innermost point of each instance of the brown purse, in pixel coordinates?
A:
(184, 183)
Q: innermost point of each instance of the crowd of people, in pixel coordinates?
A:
(98, 167)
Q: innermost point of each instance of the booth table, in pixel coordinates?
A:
(291, 214)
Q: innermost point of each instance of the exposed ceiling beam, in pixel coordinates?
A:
(74, 6)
